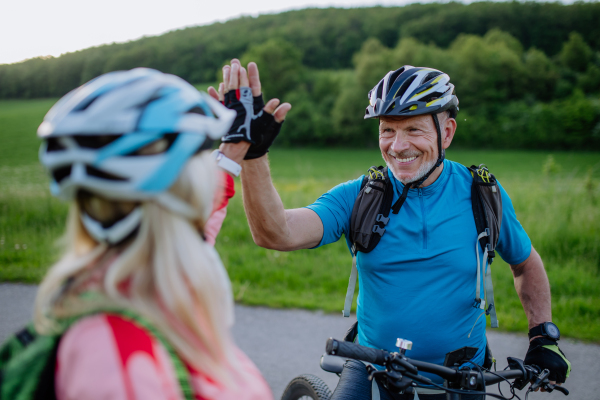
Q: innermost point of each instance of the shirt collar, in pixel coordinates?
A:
(426, 191)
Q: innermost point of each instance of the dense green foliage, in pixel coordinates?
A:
(556, 199)
(509, 97)
(527, 74)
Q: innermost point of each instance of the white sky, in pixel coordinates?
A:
(31, 28)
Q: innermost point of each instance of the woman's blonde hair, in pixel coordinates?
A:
(166, 272)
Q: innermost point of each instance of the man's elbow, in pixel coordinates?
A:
(271, 243)
(534, 261)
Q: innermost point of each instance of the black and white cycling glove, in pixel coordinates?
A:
(269, 129)
(252, 124)
(241, 101)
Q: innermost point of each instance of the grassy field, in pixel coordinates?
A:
(557, 199)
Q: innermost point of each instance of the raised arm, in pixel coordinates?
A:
(273, 226)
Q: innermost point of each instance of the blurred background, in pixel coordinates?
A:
(527, 75)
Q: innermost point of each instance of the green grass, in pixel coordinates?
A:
(19, 120)
(560, 210)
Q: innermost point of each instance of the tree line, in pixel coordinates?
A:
(527, 74)
(509, 97)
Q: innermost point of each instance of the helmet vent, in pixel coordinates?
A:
(61, 173)
(83, 106)
(103, 175)
(430, 76)
(379, 90)
(207, 145)
(159, 146)
(95, 142)
(196, 110)
(405, 86)
(54, 145)
(431, 97)
(395, 76)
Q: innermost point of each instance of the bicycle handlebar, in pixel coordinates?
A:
(356, 351)
(380, 357)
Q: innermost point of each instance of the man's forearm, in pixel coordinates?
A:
(263, 206)
(533, 288)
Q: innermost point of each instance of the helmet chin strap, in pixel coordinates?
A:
(116, 233)
(441, 155)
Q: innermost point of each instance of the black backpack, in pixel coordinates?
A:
(370, 216)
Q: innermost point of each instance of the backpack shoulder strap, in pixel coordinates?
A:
(487, 212)
(370, 215)
(487, 205)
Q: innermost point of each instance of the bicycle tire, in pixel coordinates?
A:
(306, 387)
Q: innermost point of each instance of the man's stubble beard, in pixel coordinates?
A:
(421, 172)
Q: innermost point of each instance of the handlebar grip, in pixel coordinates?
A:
(336, 347)
(562, 390)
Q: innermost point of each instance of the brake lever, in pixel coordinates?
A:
(549, 387)
(393, 380)
(374, 372)
(407, 366)
(540, 381)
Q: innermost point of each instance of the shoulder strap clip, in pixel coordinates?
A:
(382, 219)
(378, 230)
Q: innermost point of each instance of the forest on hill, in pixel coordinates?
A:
(527, 74)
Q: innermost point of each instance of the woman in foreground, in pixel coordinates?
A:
(129, 150)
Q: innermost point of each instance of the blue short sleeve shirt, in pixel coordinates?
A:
(419, 282)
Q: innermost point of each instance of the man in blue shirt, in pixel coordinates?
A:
(419, 282)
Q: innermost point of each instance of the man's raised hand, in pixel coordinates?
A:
(256, 123)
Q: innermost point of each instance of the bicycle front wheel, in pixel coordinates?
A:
(306, 387)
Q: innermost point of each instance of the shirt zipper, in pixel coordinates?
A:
(424, 216)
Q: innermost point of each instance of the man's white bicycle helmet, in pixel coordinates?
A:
(126, 135)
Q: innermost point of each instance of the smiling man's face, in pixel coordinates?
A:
(409, 144)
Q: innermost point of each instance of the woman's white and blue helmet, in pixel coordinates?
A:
(126, 135)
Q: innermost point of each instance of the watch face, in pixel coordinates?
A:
(552, 330)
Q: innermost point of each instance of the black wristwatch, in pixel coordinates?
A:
(547, 329)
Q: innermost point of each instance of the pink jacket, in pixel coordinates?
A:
(214, 223)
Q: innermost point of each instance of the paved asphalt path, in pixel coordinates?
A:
(287, 343)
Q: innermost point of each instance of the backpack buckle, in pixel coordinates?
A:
(479, 303)
(379, 230)
(381, 218)
(489, 309)
(491, 253)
